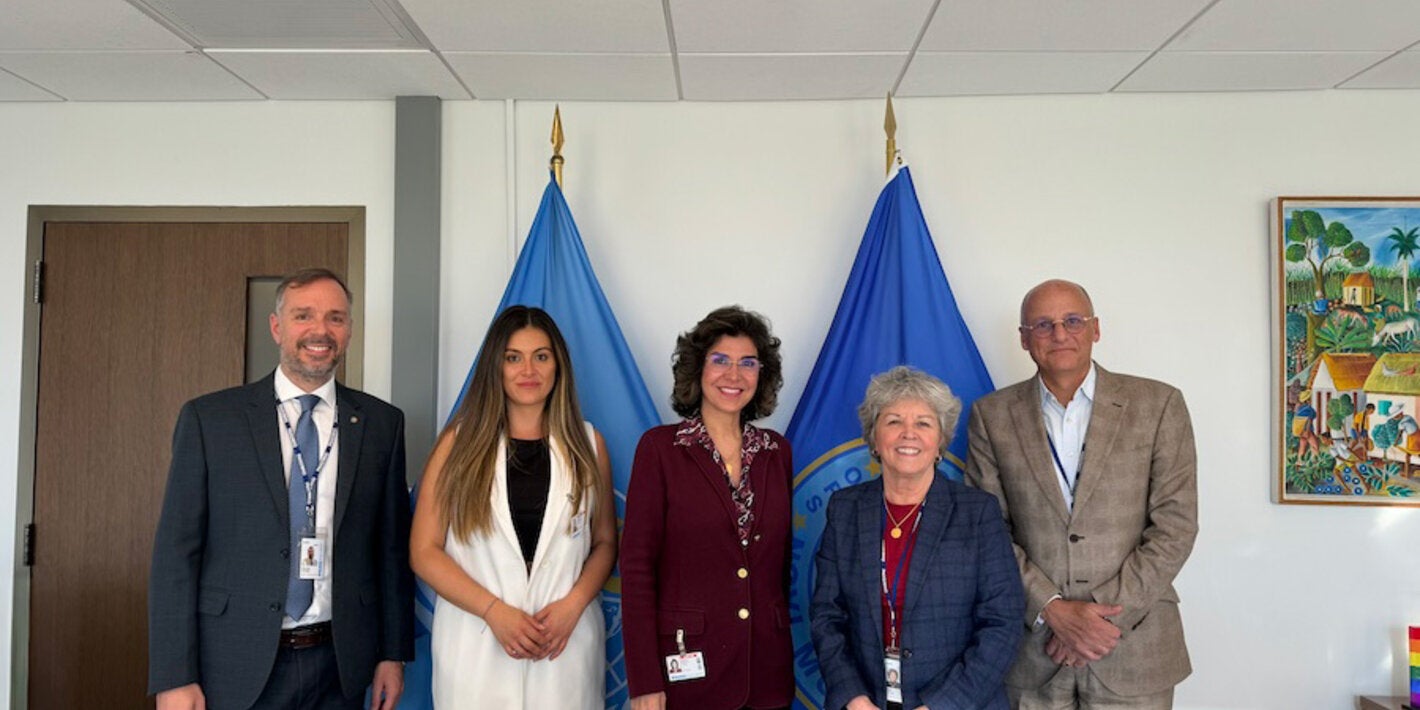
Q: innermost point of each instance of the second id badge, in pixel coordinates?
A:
(684, 665)
(892, 669)
(313, 554)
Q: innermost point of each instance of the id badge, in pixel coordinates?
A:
(892, 669)
(685, 666)
(579, 524)
(313, 562)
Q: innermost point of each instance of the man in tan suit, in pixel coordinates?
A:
(1096, 476)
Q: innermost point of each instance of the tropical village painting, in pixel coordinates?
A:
(1349, 325)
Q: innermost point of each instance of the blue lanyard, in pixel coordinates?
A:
(1061, 467)
(308, 478)
(891, 592)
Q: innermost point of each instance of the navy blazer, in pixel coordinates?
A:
(961, 609)
(220, 558)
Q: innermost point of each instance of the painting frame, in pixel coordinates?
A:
(1346, 346)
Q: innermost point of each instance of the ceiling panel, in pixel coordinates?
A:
(1032, 25)
(1304, 25)
(964, 73)
(1401, 71)
(543, 26)
(342, 75)
(81, 24)
(287, 24)
(13, 88)
(771, 77)
(816, 26)
(128, 76)
(591, 77)
(1247, 71)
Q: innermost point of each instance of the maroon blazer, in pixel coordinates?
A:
(683, 567)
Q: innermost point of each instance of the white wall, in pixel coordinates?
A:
(1159, 204)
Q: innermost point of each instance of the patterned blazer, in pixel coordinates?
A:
(961, 609)
(1131, 529)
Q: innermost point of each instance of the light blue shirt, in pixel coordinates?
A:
(1067, 426)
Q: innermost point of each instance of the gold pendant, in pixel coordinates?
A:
(896, 533)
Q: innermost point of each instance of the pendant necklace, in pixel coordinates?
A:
(896, 531)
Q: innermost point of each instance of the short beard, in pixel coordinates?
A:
(294, 366)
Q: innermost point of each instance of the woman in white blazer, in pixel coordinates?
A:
(515, 530)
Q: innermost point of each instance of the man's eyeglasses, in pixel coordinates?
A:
(720, 363)
(1046, 328)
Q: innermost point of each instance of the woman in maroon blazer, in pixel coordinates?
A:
(705, 549)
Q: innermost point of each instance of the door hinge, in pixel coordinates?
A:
(37, 282)
(30, 545)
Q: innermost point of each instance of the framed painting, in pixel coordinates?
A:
(1346, 295)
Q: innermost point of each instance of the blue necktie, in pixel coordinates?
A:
(299, 592)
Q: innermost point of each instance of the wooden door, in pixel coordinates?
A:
(136, 319)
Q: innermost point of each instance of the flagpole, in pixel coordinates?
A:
(556, 162)
(890, 127)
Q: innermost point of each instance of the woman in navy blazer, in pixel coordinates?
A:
(915, 572)
(705, 549)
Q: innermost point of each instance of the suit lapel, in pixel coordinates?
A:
(498, 502)
(266, 440)
(869, 555)
(936, 513)
(1106, 417)
(1030, 427)
(559, 499)
(351, 425)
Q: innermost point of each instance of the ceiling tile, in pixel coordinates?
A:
(13, 88)
(128, 76)
(1247, 71)
(965, 73)
(342, 75)
(590, 77)
(772, 77)
(1401, 71)
(1304, 25)
(817, 26)
(1032, 25)
(284, 24)
(543, 26)
(81, 24)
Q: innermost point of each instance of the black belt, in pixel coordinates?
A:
(306, 636)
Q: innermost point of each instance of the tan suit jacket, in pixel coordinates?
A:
(1131, 529)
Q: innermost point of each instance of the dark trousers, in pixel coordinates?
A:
(306, 679)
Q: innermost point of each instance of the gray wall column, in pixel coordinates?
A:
(415, 351)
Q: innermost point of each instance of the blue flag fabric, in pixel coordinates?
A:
(553, 273)
(896, 309)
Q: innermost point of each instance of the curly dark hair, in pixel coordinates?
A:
(691, 349)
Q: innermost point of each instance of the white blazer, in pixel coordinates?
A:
(471, 669)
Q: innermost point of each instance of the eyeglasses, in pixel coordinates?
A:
(721, 363)
(1046, 328)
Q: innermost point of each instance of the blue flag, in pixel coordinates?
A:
(896, 309)
(553, 273)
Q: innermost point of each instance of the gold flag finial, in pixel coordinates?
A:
(557, 144)
(890, 126)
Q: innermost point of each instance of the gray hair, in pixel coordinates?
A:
(903, 383)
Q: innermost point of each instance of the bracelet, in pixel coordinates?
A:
(488, 608)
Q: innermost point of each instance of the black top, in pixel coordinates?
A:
(529, 477)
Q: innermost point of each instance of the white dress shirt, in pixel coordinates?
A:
(323, 416)
(1067, 426)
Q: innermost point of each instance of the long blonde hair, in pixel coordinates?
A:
(481, 425)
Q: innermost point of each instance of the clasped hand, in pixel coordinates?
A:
(534, 636)
(1081, 632)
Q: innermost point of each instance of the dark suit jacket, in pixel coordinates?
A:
(1131, 529)
(961, 609)
(221, 557)
(682, 567)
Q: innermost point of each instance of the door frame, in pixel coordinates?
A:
(39, 215)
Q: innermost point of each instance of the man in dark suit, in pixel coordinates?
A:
(1096, 475)
(265, 595)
